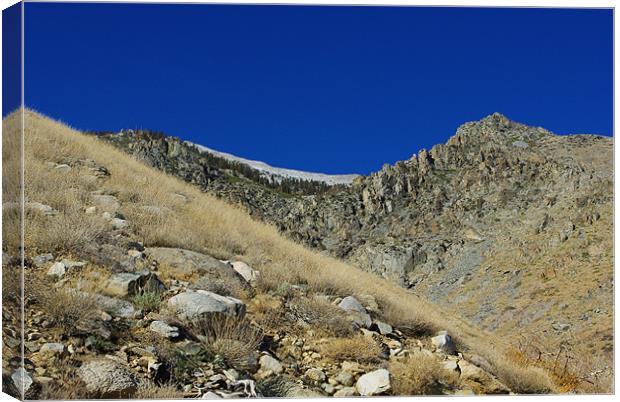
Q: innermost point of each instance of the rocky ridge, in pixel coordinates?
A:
(445, 222)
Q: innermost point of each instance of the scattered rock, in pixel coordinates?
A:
(245, 271)
(21, 379)
(443, 342)
(118, 223)
(58, 270)
(373, 383)
(52, 348)
(127, 283)
(108, 203)
(383, 328)
(268, 363)
(42, 259)
(164, 329)
(345, 392)
(191, 305)
(345, 378)
(315, 376)
(107, 379)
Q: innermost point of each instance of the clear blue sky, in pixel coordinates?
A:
(331, 89)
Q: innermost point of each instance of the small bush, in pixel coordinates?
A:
(66, 308)
(150, 390)
(232, 338)
(321, 314)
(147, 301)
(361, 349)
(419, 375)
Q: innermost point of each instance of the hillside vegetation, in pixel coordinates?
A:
(138, 278)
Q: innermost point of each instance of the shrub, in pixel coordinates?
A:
(361, 349)
(67, 308)
(233, 339)
(419, 374)
(150, 390)
(147, 301)
(321, 314)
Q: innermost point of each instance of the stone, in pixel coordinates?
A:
(118, 223)
(243, 269)
(91, 210)
(345, 392)
(115, 307)
(42, 259)
(560, 326)
(315, 375)
(190, 305)
(165, 330)
(179, 263)
(52, 348)
(443, 342)
(41, 208)
(269, 363)
(350, 303)
(345, 378)
(58, 270)
(62, 167)
(21, 379)
(451, 365)
(108, 203)
(383, 328)
(328, 388)
(107, 379)
(373, 383)
(127, 284)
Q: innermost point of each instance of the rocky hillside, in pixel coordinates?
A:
(138, 285)
(500, 215)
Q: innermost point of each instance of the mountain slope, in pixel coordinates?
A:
(114, 248)
(500, 215)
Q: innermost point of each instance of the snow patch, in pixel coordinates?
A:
(277, 174)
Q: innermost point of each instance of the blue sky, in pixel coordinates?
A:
(330, 89)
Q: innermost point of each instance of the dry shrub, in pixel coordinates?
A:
(409, 323)
(419, 374)
(67, 387)
(319, 313)
(361, 349)
(524, 380)
(150, 390)
(11, 283)
(232, 338)
(66, 232)
(66, 308)
(267, 311)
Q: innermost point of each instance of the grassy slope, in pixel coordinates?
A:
(208, 225)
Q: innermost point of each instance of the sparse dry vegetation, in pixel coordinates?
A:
(206, 224)
(419, 375)
(358, 348)
(232, 338)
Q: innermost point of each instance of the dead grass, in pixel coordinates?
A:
(204, 224)
(66, 308)
(320, 314)
(419, 375)
(359, 348)
(150, 390)
(232, 338)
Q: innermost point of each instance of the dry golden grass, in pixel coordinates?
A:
(419, 375)
(231, 338)
(321, 315)
(204, 224)
(359, 348)
(150, 390)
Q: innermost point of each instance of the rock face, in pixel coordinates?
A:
(164, 329)
(107, 379)
(191, 305)
(373, 383)
(460, 224)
